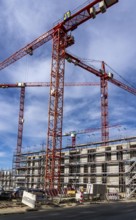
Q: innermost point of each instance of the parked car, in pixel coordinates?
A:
(40, 194)
(5, 195)
(1, 190)
(18, 192)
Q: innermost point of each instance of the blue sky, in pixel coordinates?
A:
(110, 37)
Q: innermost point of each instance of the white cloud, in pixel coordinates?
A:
(2, 154)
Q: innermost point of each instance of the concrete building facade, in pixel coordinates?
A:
(113, 165)
(6, 179)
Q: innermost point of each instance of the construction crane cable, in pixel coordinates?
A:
(27, 69)
(90, 60)
(86, 60)
(120, 76)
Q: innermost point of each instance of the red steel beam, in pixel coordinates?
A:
(45, 84)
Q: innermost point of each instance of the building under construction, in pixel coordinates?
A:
(113, 165)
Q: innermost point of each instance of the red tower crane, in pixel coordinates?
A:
(61, 40)
(22, 85)
(73, 134)
(104, 78)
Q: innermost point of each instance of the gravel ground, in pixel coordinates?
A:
(9, 207)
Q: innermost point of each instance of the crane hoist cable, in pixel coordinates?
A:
(130, 84)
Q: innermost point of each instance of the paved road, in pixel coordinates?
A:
(112, 211)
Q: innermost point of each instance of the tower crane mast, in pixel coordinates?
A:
(104, 106)
(20, 128)
(61, 40)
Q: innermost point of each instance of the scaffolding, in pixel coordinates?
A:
(113, 165)
(30, 173)
(6, 179)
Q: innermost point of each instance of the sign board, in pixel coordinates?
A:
(78, 196)
(113, 196)
(29, 199)
(90, 188)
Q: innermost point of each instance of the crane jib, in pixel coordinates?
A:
(87, 12)
(69, 24)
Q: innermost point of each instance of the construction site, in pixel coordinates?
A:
(109, 164)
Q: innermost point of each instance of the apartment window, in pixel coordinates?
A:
(85, 180)
(74, 157)
(104, 179)
(39, 163)
(108, 153)
(74, 169)
(61, 180)
(119, 147)
(104, 173)
(85, 168)
(104, 168)
(132, 151)
(121, 184)
(62, 160)
(62, 169)
(119, 153)
(93, 168)
(91, 155)
(121, 167)
(33, 164)
(93, 179)
(134, 181)
(73, 181)
(28, 164)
